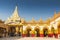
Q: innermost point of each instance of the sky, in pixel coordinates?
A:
(29, 9)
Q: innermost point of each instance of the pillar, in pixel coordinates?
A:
(41, 33)
(21, 31)
(50, 34)
(56, 33)
(7, 32)
(16, 30)
(24, 33)
(32, 33)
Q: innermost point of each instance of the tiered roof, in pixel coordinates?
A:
(14, 19)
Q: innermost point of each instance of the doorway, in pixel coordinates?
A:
(45, 31)
(37, 32)
(12, 31)
(28, 32)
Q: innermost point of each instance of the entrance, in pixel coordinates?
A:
(19, 31)
(2, 32)
(28, 32)
(12, 31)
(37, 32)
(45, 32)
(53, 30)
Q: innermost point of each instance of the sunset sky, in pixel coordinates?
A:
(29, 8)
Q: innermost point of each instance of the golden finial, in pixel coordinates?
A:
(55, 15)
(48, 20)
(58, 14)
(22, 20)
(40, 21)
(32, 20)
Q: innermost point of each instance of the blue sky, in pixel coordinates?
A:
(29, 8)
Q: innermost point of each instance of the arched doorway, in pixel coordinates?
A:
(28, 29)
(53, 30)
(12, 31)
(37, 31)
(45, 32)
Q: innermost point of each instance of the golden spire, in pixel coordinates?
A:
(14, 19)
(48, 20)
(15, 13)
(55, 15)
(23, 20)
(32, 21)
(40, 21)
(58, 14)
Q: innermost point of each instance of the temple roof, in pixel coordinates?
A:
(32, 21)
(55, 16)
(15, 13)
(14, 19)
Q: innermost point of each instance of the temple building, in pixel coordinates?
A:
(18, 26)
(3, 29)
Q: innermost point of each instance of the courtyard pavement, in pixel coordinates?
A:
(29, 38)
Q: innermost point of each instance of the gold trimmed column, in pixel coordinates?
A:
(21, 30)
(50, 34)
(56, 33)
(24, 33)
(32, 33)
(17, 30)
(41, 33)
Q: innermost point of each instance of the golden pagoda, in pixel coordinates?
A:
(14, 23)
